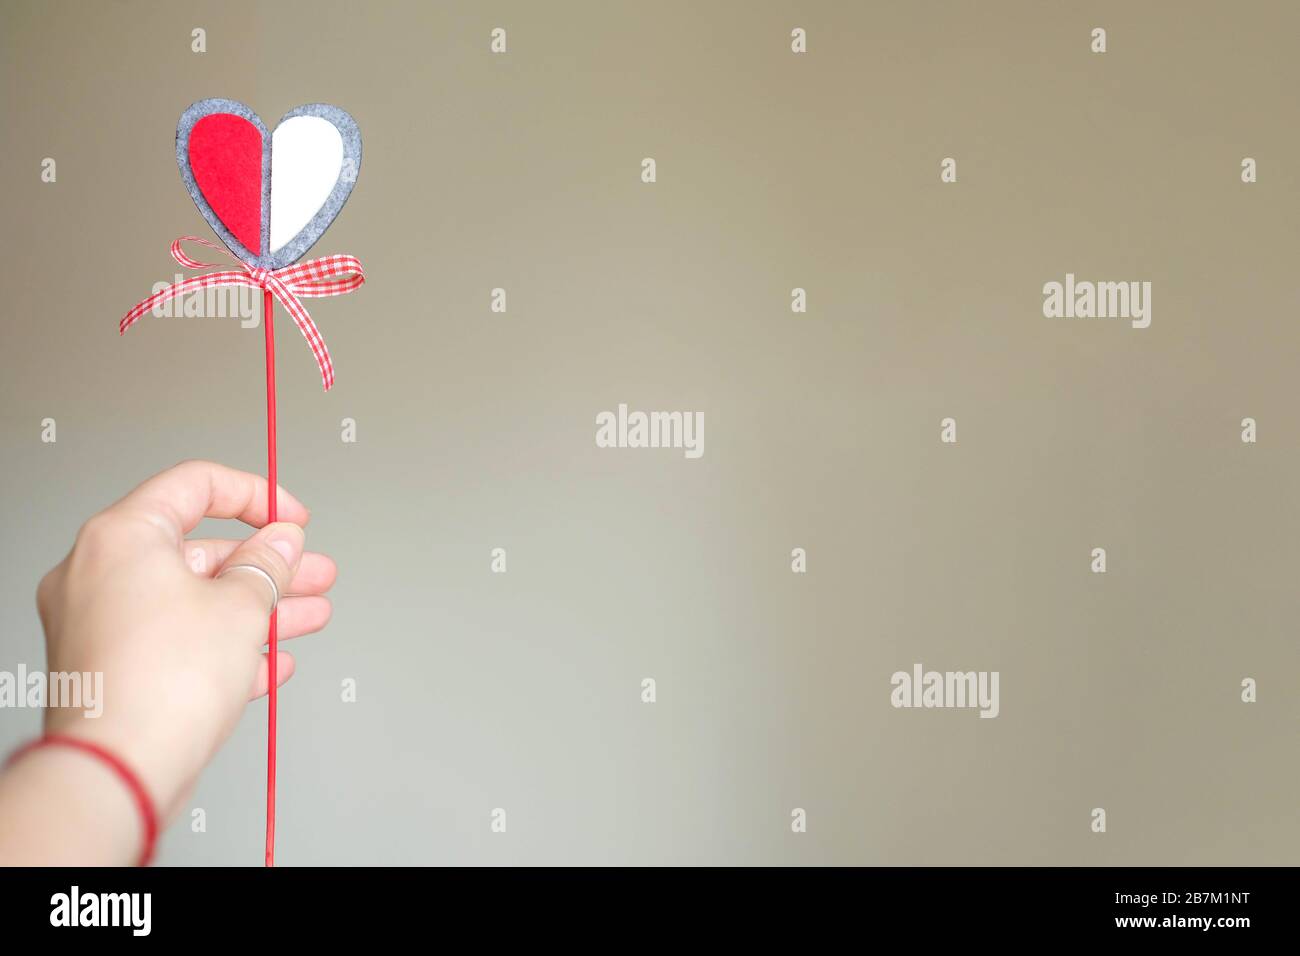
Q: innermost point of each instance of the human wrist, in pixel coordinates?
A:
(153, 753)
(65, 806)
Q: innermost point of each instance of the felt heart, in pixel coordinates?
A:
(269, 197)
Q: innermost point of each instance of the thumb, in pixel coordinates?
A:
(275, 551)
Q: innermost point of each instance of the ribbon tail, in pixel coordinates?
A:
(177, 289)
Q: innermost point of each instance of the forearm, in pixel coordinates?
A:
(62, 807)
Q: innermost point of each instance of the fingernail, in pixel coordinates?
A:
(288, 542)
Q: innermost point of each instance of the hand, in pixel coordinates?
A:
(180, 648)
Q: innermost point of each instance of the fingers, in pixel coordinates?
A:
(178, 498)
(302, 615)
(276, 552)
(284, 667)
(316, 573)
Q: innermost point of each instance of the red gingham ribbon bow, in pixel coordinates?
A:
(315, 278)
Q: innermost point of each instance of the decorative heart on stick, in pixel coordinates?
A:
(268, 195)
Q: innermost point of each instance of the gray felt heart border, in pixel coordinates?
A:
(294, 249)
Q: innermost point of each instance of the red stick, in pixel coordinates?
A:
(272, 637)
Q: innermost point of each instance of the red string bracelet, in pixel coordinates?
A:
(148, 817)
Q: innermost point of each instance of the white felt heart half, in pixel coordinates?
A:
(306, 162)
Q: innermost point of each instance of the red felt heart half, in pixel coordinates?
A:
(225, 154)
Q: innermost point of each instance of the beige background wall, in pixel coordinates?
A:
(476, 430)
